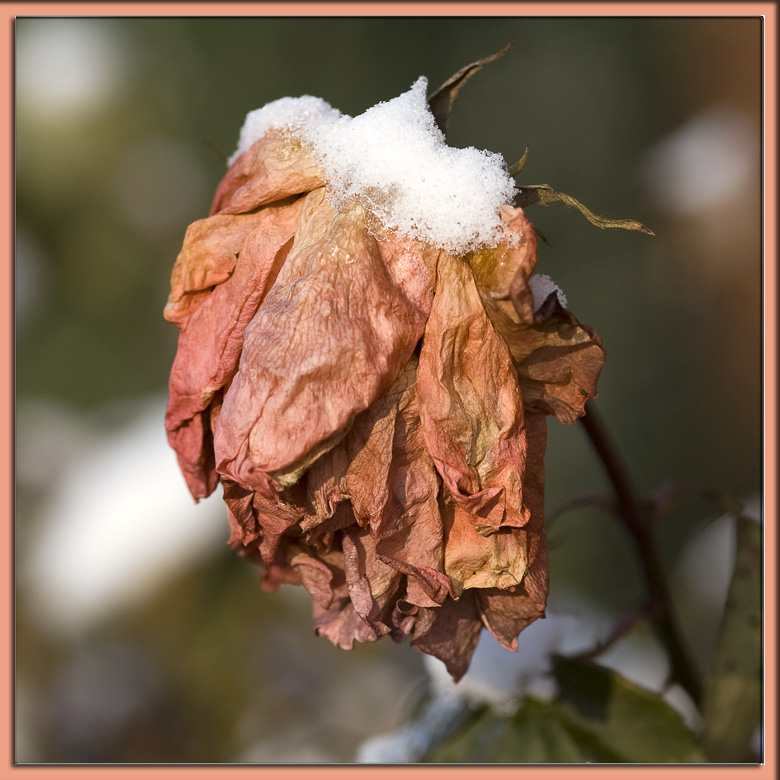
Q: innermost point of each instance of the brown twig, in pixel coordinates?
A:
(634, 514)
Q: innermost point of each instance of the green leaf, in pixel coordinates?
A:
(599, 717)
(731, 702)
(536, 734)
(545, 195)
(622, 718)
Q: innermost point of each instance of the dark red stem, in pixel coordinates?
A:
(635, 516)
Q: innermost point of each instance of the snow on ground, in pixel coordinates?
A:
(115, 520)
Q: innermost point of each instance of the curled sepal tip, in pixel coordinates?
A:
(442, 100)
(544, 194)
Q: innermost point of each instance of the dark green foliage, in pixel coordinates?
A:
(598, 717)
(731, 706)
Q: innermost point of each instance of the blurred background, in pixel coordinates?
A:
(140, 637)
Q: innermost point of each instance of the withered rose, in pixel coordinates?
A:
(373, 406)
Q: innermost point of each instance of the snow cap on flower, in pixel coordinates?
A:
(394, 159)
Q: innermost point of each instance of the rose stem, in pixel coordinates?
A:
(633, 514)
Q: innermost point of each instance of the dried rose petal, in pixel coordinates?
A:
(330, 337)
(449, 632)
(506, 613)
(558, 361)
(471, 560)
(502, 272)
(208, 257)
(372, 583)
(210, 342)
(470, 404)
(275, 167)
(392, 483)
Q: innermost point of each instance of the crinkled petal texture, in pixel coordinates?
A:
(211, 338)
(329, 339)
(374, 408)
(471, 406)
(274, 167)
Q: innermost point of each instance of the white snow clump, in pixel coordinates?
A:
(395, 161)
(541, 286)
(285, 113)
